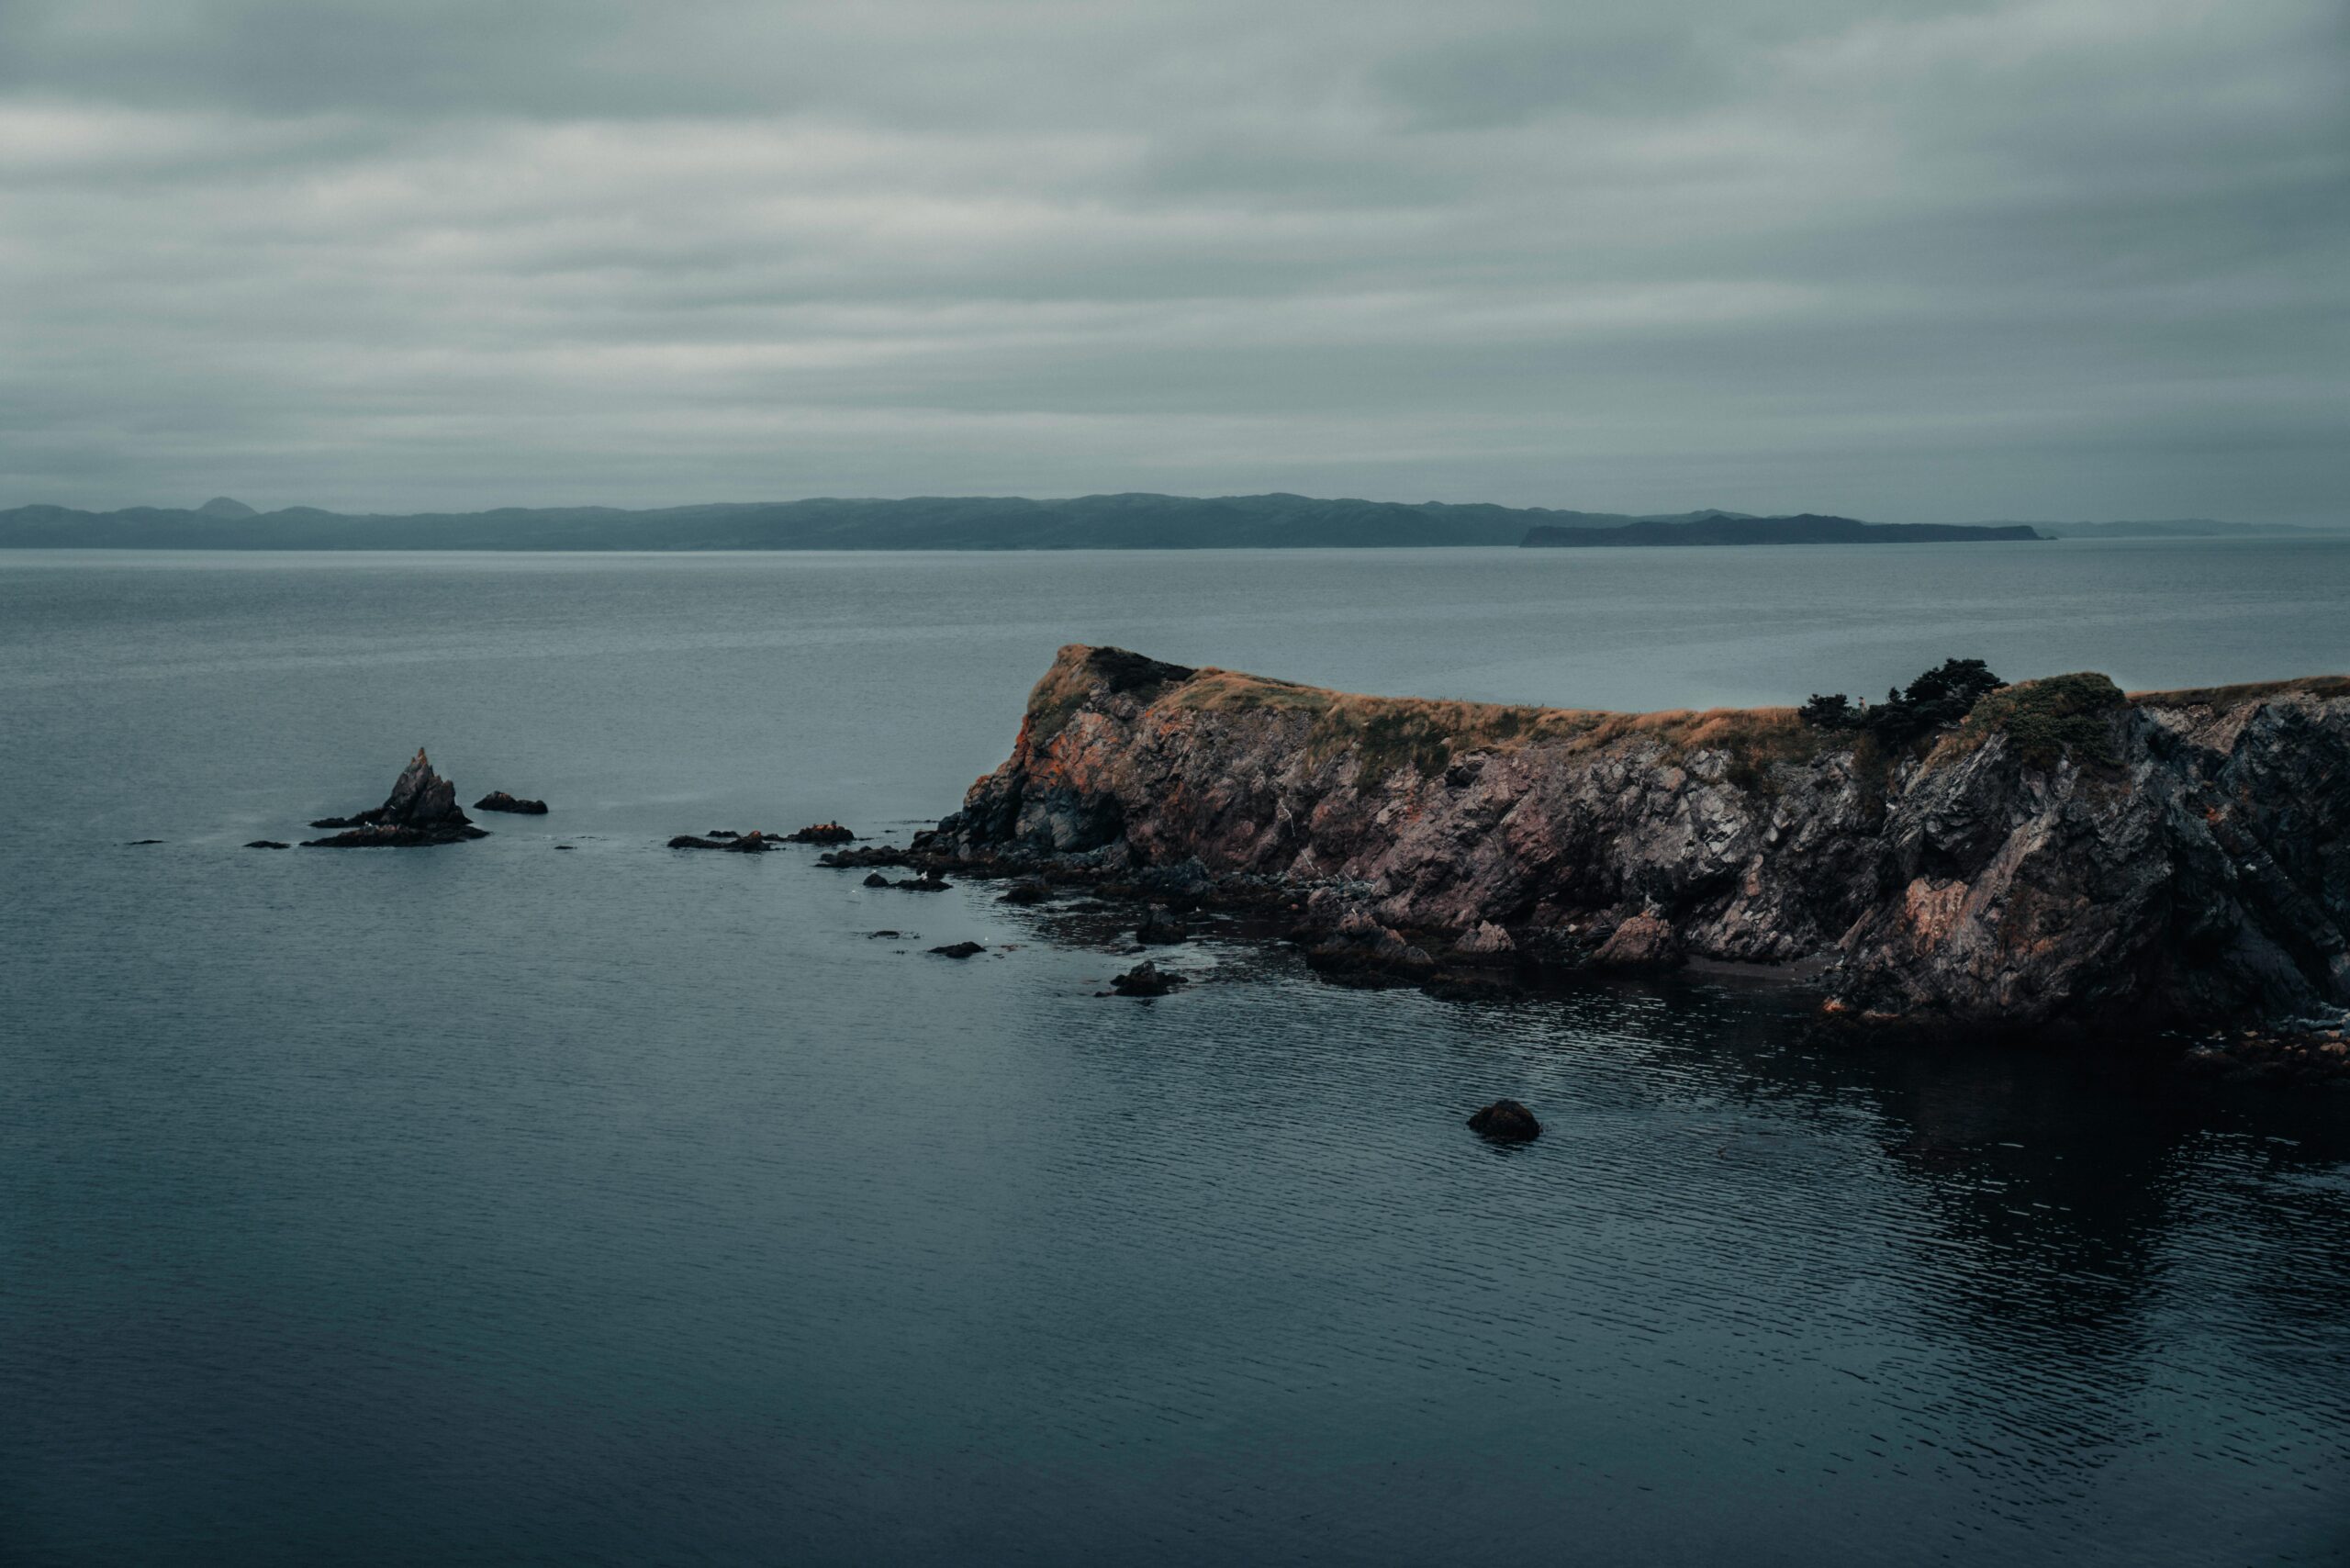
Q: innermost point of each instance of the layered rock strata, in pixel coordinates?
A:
(2069, 857)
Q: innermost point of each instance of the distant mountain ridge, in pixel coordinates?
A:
(1122, 521)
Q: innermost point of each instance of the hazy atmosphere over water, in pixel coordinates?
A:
(2059, 258)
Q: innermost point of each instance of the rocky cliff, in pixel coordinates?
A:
(2067, 855)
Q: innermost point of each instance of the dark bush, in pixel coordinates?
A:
(1937, 699)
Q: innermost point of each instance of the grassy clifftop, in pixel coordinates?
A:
(2064, 714)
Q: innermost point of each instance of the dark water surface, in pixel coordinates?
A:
(501, 1205)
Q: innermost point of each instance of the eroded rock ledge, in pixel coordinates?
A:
(2067, 857)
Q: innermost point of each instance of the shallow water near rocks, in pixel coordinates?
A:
(494, 1204)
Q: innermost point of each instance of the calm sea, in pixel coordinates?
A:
(562, 1199)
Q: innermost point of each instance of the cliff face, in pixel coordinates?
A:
(2066, 857)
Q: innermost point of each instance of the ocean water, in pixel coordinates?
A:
(560, 1198)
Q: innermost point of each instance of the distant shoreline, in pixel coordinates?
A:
(1129, 521)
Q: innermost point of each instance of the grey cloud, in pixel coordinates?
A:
(2051, 257)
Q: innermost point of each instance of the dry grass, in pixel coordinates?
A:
(1388, 733)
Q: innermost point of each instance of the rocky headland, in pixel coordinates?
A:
(2053, 855)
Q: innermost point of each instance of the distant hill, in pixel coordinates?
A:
(925, 522)
(1805, 528)
(1128, 522)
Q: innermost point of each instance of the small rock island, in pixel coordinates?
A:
(2050, 856)
(421, 811)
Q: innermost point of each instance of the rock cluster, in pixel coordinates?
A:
(2066, 858)
(420, 811)
(820, 833)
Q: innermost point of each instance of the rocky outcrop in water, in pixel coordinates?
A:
(421, 812)
(1146, 979)
(1505, 1121)
(751, 842)
(499, 800)
(2067, 857)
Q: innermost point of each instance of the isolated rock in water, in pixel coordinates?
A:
(421, 811)
(1643, 942)
(499, 800)
(958, 950)
(1157, 931)
(268, 843)
(752, 843)
(1028, 890)
(874, 879)
(1146, 979)
(1505, 1121)
(821, 833)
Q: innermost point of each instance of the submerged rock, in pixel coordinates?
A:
(268, 843)
(421, 812)
(499, 800)
(1505, 1121)
(1028, 890)
(958, 950)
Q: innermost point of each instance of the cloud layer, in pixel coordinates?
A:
(2046, 259)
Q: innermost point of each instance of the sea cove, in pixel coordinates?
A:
(491, 1202)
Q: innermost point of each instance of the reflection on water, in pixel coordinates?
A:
(618, 1207)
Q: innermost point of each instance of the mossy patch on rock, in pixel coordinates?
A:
(2043, 721)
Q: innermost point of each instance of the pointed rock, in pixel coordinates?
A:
(421, 810)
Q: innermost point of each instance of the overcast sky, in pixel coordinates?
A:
(2047, 258)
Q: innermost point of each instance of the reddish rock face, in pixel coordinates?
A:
(2066, 857)
(1643, 942)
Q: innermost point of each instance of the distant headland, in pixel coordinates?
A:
(1129, 521)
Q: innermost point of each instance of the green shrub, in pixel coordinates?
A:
(2047, 719)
